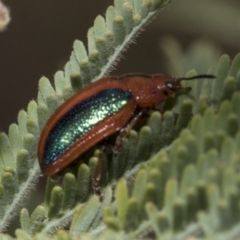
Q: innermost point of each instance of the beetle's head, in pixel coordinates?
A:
(174, 84)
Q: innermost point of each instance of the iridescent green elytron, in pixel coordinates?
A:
(82, 118)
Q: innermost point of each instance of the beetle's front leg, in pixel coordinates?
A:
(124, 131)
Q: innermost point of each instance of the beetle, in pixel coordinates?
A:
(110, 105)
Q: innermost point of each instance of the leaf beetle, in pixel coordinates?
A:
(110, 105)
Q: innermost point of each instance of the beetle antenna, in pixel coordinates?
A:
(196, 77)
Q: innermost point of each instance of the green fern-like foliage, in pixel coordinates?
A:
(19, 167)
(190, 189)
(178, 174)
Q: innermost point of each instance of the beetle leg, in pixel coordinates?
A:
(124, 131)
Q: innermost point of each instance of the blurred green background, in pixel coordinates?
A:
(187, 34)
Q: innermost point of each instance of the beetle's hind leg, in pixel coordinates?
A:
(105, 148)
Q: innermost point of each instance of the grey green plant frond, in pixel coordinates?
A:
(199, 55)
(210, 92)
(188, 190)
(138, 147)
(106, 40)
(177, 181)
(19, 169)
(166, 127)
(62, 201)
(206, 181)
(191, 185)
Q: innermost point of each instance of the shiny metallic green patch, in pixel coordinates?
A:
(81, 119)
